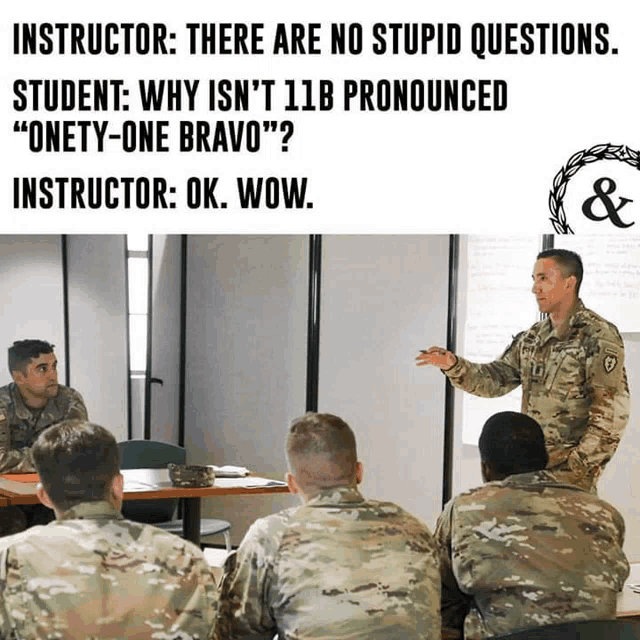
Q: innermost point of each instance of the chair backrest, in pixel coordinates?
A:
(149, 454)
(620, 629)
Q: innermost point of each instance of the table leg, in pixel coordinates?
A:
(191, 520)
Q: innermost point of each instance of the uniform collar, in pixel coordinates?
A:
(542, 478)
(22, 410)
(336, 496)
(575, 314)
(100, 510)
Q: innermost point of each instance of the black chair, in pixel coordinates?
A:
(590, 630)
(152, 454)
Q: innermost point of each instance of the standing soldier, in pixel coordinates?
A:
(570, 366)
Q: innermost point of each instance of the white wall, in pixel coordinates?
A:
(246, 359)
(383, 299)
(32, 300)
(98, 328)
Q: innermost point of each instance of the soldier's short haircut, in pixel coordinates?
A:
(22, 351)
(76, 461)
(321, 450)
(569, 262)
(512, 442)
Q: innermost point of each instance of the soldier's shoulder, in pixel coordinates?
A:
(586, 501)
(269, 530)
(405, 525)
(69, 399)
(68, 393)
(595, 325)
(6, 397)
(157, 539)
(21, 539)
(393, 510)
(476, 495)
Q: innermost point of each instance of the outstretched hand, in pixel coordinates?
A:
(438, 357)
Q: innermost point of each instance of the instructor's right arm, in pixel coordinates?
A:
(488, 380)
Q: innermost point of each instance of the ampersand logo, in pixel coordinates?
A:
(599, 198)
(603, 188)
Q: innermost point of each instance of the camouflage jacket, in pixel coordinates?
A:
(338, 567)
(19, 428)
(526, 552)
(575, 387)
(93, 574)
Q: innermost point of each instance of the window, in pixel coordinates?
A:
(138, 297)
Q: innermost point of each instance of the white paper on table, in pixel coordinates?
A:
(230, 471)
(145, 479)
(248, 483)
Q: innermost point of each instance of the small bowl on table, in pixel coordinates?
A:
(191, 475)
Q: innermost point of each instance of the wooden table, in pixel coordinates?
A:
(191, 497)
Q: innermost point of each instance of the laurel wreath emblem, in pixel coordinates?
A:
(576, 162)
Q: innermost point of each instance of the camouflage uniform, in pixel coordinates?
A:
(19, 427)
(575, 386)
(338, 567)
(93, 574)
(527, 552)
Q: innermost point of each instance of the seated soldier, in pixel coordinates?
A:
(525, 550)
(31, 403)
(91, 573)
(337, 567)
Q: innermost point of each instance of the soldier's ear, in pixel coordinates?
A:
(572, 282)
(291, 482)
(43, 496)
(359, 472)
(117, 487)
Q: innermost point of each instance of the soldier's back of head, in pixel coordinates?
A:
(338, 566)
(526, 550)
(91, 573)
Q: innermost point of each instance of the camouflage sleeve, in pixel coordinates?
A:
(12, 460)
(244, 611)
(454, 605)
(205, 600)
(492, 379)
(76, 408)
(5, 623)
(608, 390)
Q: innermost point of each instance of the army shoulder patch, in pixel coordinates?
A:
(610, 361)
